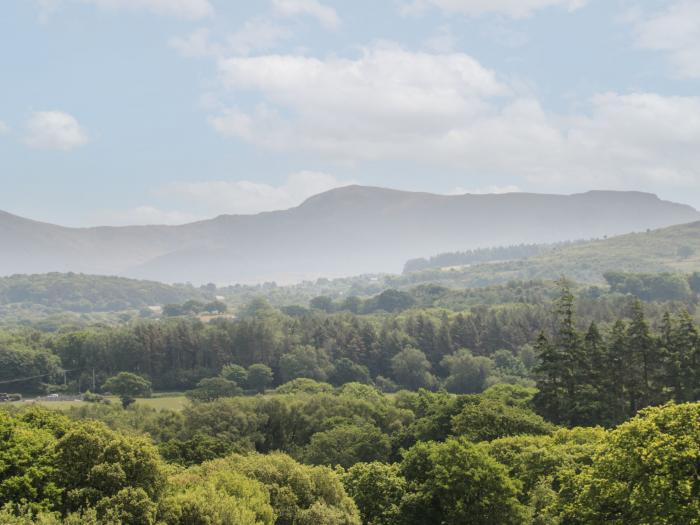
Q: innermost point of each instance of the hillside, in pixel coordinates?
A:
(90, 293)
(346, 231)
(672, 249)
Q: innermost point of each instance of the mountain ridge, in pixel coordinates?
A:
(349, 230)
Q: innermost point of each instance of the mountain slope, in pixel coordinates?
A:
(675, 249)
(91, 293)
(344, 231)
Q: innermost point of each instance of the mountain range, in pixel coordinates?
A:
(350, 230)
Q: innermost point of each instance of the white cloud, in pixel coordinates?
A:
(446, 110)
(4, 128)
(245, 197)
(511, 8)
(676, 31)
(187, 9)
(361, 108)
(141, 215)
(327, 16)
(54, 130)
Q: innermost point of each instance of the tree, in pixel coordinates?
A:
(235, 373)
(645, 471)
(26, 463)
(392, 301)
(457, 483)
(305, 361)
(129, 506)
(213, 388)
(545, 465)
(304, 385)
(213, 493)
(411, 369)
(641, 362)
(217, 307)
(348, 372)
(563, 364)
(509, 365)
(377, 489)
(484, 419)
(468, 374)
(300, 493)
(322, 302)
(346, 445)
(96, 464)
(259, 377)
(549, 399)
(128, 386)
(18, 360)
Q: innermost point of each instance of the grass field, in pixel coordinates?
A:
(159, 402)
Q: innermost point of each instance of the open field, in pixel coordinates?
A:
(159, 402)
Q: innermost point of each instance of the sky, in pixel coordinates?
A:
(166, 111)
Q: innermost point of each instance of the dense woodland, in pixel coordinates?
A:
(309, 454)
(527, 403)
(568, 356)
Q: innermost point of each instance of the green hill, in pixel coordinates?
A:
(90, 293)
(675, 249)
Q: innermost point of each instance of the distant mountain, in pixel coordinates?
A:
(344, 231)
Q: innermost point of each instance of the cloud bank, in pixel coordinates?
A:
(447, 110)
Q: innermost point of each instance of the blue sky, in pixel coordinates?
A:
(165, 111)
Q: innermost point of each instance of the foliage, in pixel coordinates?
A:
(456, 483)
(259, 377)
(480, 255)
(346, 445)
(235, 373)
(588, 378)
(97, 464)
(212, 388)
(90, 293)
(128, 384)
(651, 287)
(483, 419)
(299, 494)
(214, 494)
(467, 374)
(645, 471)
(26, 463)
(21, 357)
(412, 370)
(307, 362)
(378, 490)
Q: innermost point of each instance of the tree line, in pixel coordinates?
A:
(482, 255)
(307, 454)
(593, 377)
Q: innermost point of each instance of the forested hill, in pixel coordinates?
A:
(675, 249)
(347, 231)
(91, 293)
